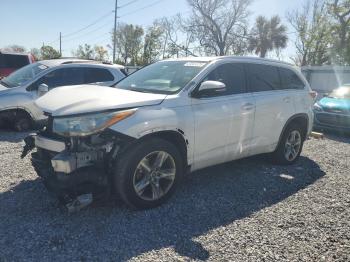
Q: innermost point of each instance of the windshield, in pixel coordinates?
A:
(163, 77)
(342, 93)
(23, 75)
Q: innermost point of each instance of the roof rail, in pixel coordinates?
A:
(80, 62)
(83, 61)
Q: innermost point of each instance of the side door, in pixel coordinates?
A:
(223, 120)
(274, 106)
(54, 78)
(60, 77)
(291, 81)
(99, 76)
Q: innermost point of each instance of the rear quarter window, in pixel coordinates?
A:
(95, 75)
(290, 80)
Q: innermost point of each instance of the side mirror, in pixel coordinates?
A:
(43, 89)
(211, 87)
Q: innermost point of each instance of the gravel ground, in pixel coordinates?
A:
(247, 210)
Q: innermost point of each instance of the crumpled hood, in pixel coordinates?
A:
(71, 100)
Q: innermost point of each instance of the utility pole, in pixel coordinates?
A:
(115, 29)
(60, 43)
(165, 44)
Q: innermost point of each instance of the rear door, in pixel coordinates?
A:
(223, 120)
(274, 106)
(301, 98)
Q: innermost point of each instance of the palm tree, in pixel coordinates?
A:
(267, 35)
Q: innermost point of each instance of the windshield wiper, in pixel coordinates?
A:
(139, 90)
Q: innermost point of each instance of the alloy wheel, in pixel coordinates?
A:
(154, 176)
(293, 145)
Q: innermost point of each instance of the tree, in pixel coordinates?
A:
(152, 47)
(100, 53)
(48, 52)
(217, 24)
(340, 12)
(85, 52)
(36, 53)
(314, 33)
(129, 42)
(267, 35)
(178, 37)
(15, 49)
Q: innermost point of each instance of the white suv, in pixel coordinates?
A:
(20, 89)
(174, 116)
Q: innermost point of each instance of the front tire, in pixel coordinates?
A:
(22, 123)
(290, 146)
(146, 175)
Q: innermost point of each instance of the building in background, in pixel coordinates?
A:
(324, 79)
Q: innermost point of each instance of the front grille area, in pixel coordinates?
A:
(333, 120)
(336, 110)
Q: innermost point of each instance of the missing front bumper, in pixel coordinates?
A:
(67, 187)
(67, 162)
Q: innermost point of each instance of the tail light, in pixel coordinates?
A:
(313, 94)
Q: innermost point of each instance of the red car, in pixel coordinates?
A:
(10, 62)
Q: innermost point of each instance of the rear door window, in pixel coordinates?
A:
(97, 75)
(290, 80)
(232, 75)
(263, 78)
(13, 61)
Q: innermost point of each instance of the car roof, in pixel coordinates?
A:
(230, 58)
(77, 61)
(13, 53)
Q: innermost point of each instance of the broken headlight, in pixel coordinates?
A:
(88, 124)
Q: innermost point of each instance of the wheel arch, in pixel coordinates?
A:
(15, 110)
(301, 119)
(176, 137)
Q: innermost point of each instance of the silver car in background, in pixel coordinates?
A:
(19, 90)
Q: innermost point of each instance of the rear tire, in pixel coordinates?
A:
(290, 145)
(146, 175)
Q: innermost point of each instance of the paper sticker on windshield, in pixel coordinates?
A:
(42, 67)
(195, 64)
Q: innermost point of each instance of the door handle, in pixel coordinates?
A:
(247, 107)
(287, 99)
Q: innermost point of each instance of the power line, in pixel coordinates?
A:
(93, 23)
(127, 4)
(52, 42)
(142, 8)
(88, 33)
(115, 29)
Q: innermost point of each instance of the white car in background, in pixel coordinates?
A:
(20, 89)
(140, 138)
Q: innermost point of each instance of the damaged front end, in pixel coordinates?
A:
(77, 170)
